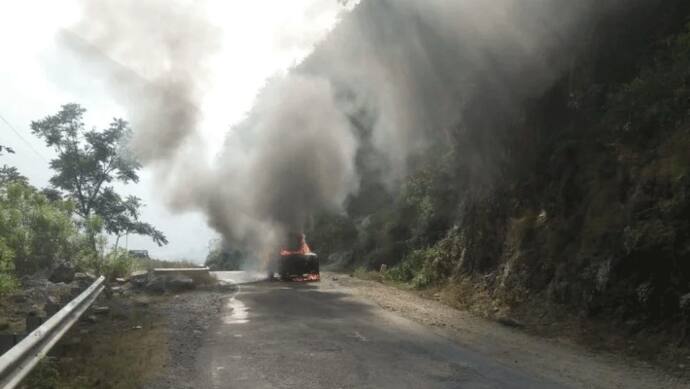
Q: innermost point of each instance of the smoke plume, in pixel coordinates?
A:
(292, 156)
(409, 69)
(153, 55)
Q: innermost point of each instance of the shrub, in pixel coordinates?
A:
(222, 258)
(331, 233)
(91, 245)
(45, 375)
(658, 97)
(408, 268)
(36, 232)
(117, 263)
(7, 280)
(421, 268)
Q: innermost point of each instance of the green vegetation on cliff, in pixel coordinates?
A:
(582, 200)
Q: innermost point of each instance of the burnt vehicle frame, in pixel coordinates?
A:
(296, 262)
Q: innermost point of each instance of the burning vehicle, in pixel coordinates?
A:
(296, 261)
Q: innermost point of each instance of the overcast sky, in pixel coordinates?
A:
(260, 38)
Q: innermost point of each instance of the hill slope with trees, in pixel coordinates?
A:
(577, 205)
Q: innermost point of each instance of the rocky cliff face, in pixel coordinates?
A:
(579, 198)
(603, 227)
(594, 212)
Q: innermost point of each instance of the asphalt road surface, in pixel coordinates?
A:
(317, 335)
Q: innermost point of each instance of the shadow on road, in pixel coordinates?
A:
(300, 301)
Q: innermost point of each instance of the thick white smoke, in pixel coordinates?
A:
(409, 66)
(154, 56)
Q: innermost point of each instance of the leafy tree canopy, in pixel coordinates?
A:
(5, 149)
(34, 232)
(223, 258)
(11, 174)
(88, 163)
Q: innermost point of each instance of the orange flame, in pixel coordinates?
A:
(303, 248)
(308, 278)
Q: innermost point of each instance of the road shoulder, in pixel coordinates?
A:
(554, 359)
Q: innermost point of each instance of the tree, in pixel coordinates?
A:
(5, 149)
(88, 163)
(221, 257)
(11, 174)
(121, 217)
(34, 232)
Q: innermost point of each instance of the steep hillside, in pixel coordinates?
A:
(577, 201)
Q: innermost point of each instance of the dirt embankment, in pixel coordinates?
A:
(557, 356)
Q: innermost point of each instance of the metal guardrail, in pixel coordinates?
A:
(16, 363)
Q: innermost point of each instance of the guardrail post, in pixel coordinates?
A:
(33, 321)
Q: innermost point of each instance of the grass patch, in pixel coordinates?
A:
(8, 284)
(124, 349)
(422, 268)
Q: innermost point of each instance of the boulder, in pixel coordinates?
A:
(76, 290)
(156, 285)
(85, 277)
(52, 305)
(172, 283)
(84, 280)
(101, 310)
(179, 283)
(139, 274)
(139, 278)
(37, 280)
(18, 298)
(142, 301)
(33, 321)
(509, 322)
(63, 272)
(7, 341)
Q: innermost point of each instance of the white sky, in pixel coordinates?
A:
(260, 38)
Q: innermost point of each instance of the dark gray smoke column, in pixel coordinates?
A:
(413, 65)
(294, 155)
(303, 152)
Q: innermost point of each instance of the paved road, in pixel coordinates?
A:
(290, 335)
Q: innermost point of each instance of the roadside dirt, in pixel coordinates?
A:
(187, 316)
(142, 341)
(554, 358)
